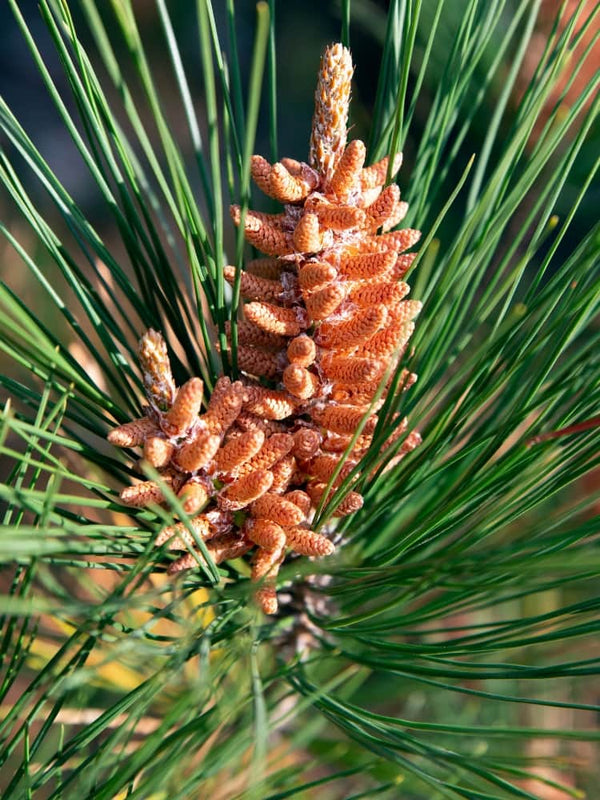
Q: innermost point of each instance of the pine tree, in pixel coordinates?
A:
(384, 584)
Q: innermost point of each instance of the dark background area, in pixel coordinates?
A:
(303, 29)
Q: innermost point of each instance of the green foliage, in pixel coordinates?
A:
(452, 641)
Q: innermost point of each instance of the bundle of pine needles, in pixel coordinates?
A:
(444, 649)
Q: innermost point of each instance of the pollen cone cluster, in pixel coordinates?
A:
(326, 320)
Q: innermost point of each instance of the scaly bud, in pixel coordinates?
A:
(275, 447)
(379, 212)
(300, 382)
(225, 404)
(302, 351)
(156, 370)
(251, 334)
(306, 237)
(324, 302)
(354, 331)
(269, 403)
(252, 287)
(366, 266)
(185, 409)
(347, 173)
(283, 473)
(260, 170)
(258, 362)
(269, 268)
(158, 451)
(132, 434)
(288, 188)
(306, 443)
(384, 292)
(265, 533)
(179, 537)
(350, 369)
(300, 499)
(383, 343)
(375, 175)
(401, 267)
(351, 503)
(397, 240)
(239, 450)
(244, 491)
(395, 216)
(198, 453)
(142, 494)
(193, 496)
(332, 101)
(277, 509)
(322, 467)
(315, 275)
(273, 319)
(221, 548)
(338, 218)
(307, 543)
(264, 232)
(343, 419)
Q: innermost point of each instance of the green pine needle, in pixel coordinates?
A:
(453, 637)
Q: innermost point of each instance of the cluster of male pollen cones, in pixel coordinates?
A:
(326, 321)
